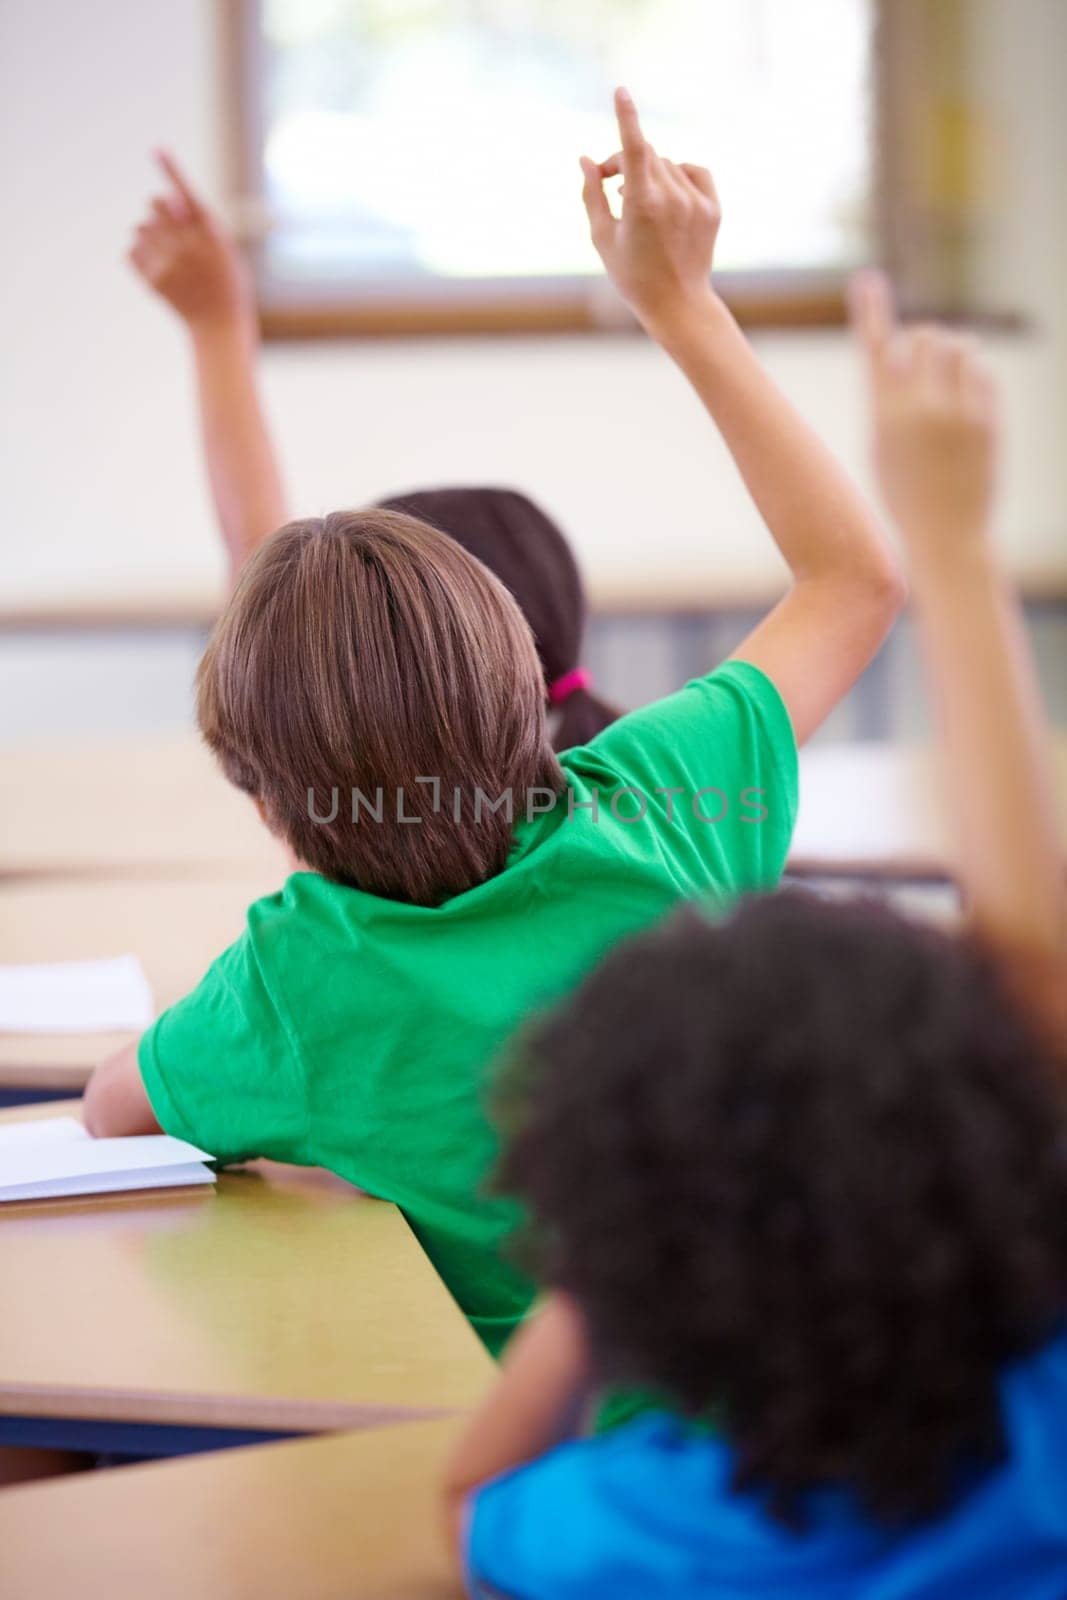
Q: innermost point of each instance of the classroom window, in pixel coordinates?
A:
(414, 162)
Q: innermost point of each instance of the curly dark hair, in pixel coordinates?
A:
(804, 1165)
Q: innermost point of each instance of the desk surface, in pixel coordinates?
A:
(877, 809)
(176, 926)
(350, 1518)
(285, 1301)
(111, 805)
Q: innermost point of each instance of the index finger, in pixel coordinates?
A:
(634, 145)
(177, 177)
(873, 312)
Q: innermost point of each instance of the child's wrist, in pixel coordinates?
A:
(940, 557)
(679, 322)
(235, 324)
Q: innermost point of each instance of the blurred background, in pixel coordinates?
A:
(404, 173)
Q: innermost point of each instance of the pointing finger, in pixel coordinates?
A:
(871, 305)
(181, 183)
(167, 209)
(630, 136)
(635, 148)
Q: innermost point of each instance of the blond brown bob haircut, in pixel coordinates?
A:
(361, 652)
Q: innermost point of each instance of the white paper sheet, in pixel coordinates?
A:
(40, 1130)
(55, 1156)
(108, 1183)
(75, 997)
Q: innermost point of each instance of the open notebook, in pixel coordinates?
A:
(56, 1157)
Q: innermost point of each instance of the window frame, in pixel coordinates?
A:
(798, 298)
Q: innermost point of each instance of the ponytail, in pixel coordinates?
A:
(582, 716)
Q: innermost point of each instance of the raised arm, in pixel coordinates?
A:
(846, 588)
(936, 444)
(182, 252)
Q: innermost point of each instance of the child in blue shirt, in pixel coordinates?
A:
(804, 1172)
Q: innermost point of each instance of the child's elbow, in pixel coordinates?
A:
(886, 586)
(454, 1520)
(877, 595)
(96, 1112)
(115, 1103)
(871, 587)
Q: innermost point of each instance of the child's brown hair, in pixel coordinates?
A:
(368, 668)
(530, 554)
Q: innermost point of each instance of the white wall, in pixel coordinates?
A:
(102, 492)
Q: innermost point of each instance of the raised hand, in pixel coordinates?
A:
(182, 251)
(846, 587)
(658, 253)
(936, 431)
(935, 448)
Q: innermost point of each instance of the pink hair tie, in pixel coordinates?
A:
(562, 688)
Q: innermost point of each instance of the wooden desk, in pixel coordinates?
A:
(350, 1518)
(113, 805)
(876, 810)
(287, 1302)
(176, 926)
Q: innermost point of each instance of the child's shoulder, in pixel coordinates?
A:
(304, 900)
(733, 691)
(586, 1493)
(648, 1457)
(727, 730)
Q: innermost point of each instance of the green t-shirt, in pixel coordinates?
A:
(352, 1032)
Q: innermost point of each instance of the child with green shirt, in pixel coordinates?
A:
(378, 692)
